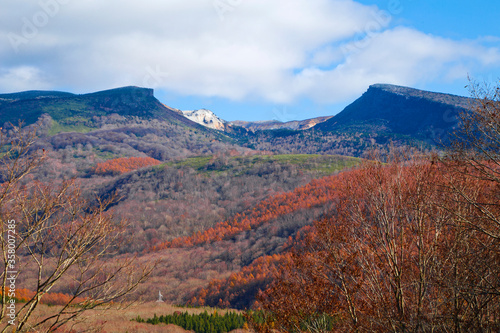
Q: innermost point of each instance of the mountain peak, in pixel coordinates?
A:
(206, 118)
(398, 110)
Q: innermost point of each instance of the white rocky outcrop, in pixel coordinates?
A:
(206, 118)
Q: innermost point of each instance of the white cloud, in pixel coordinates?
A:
(277, 51)
(19, 78)
(400, 56)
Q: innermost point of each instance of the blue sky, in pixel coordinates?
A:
(249, 59)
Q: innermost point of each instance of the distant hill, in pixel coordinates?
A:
(127, 101)
(397, 110)
(383, 110)
(275, 124)
(209, 119)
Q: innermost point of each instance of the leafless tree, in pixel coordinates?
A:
(49, 232)
(476, 153)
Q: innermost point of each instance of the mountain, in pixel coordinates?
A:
(397, 110)
(206, 118)
(60, 106)
(383, 114)
(384, 109)
(84, 130)
(274, 124)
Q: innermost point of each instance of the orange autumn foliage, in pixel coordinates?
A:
(317, 193)
(240, 288)
(122, 165)
(402, 251)
(24, 295)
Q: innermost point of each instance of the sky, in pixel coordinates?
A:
(249, 59)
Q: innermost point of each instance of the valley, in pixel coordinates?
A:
(216, 207)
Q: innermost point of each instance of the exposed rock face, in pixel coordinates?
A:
(206, 118)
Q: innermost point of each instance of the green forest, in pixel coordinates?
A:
(201, 323)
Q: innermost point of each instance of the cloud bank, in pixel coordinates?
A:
(275, 51)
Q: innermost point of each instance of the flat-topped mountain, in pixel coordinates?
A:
(383, 114)
(400, 110)
(127, 101)
(383, 110)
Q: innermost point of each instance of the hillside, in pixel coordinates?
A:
(254, 237)
(181, 198)
(66, 107)
(400, 111)
(80, 131)
(253, 243)
(256, 201)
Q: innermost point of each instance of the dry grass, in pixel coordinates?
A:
(119, 319)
